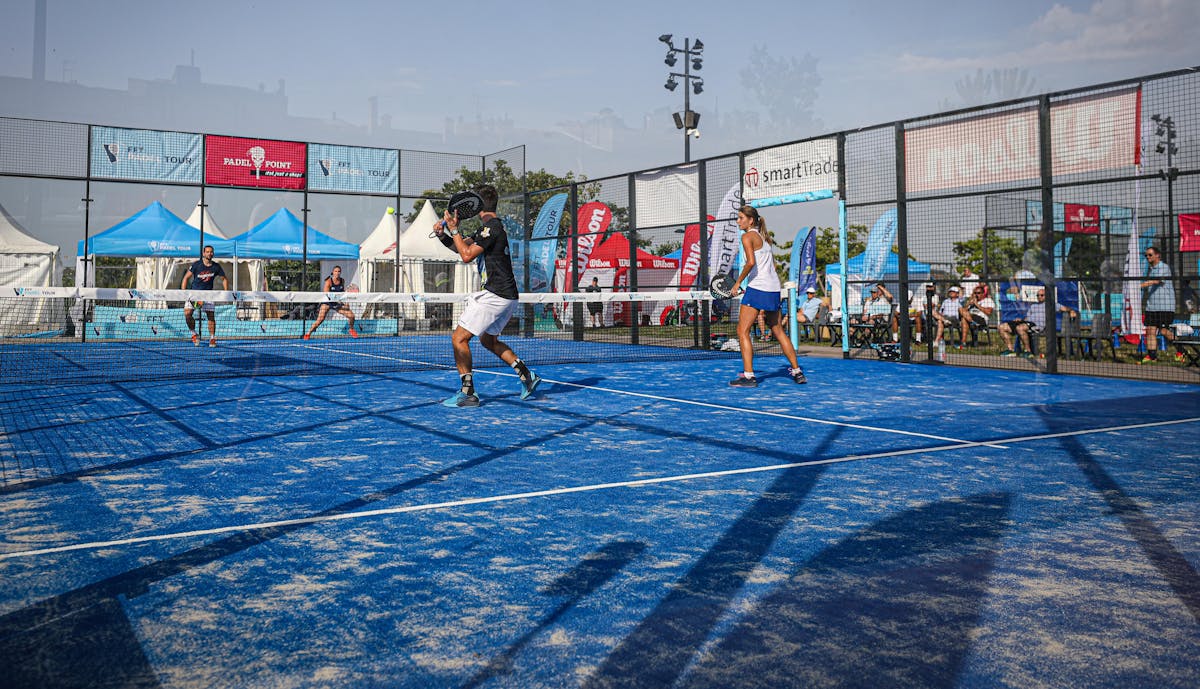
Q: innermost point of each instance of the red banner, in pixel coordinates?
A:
(1189, 231)
(689, 264)
(1082, 219)
(264, 163)
(593, 221)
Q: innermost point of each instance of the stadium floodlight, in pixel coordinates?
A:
(691, 63)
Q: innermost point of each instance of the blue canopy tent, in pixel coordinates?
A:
(891, 268)
(282, 236)
(153, 231)
(917, 272)
(157, 238)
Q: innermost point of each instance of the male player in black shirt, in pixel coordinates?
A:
(487, 311)
(201, 276)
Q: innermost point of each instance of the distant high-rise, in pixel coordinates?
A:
(39, 40)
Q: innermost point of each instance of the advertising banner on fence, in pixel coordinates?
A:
(264, 163)
(145, 154)
(1082, 219)
(350, 168)
(1086, 134)
(544, 244)
(667, 197)
(725, 241)
(791, 169)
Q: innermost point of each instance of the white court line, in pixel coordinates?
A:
(744, 410)
(96, 545)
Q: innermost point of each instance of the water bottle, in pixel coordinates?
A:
(941, 352)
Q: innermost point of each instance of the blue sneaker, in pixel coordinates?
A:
(461, 399)
(534, 382)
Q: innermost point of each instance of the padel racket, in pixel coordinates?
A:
(467, 204)
(721, 287)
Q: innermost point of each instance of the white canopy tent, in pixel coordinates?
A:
(28, 262)
(377, 256)
(24, 260)
(428, 266)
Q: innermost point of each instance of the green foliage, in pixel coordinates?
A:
(661, 249)
(510, 187)
(290, 275)
(1003, 256)
(827, 243)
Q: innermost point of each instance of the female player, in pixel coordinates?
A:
(333, 283)
(761, 296)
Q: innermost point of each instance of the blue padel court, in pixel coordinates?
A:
(636, 524)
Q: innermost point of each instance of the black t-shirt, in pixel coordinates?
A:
(497, 268)
(204, 276)
(594, 306)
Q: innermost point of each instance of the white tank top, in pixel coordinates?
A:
(763, 276)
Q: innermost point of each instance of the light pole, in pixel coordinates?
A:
(1165, 131)
(692, 60)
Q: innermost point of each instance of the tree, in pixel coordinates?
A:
(990, 87)
(1004, 255)
(662, 249)
(509, 186)
(786, 87)
(827, 243)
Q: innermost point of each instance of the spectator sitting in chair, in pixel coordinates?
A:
(807, 313)
(916, 310)
(976, 311)
(1033, 322)
(877, 307)
(948, 312)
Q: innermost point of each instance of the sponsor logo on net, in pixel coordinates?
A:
(331, 167)
(802, 169)
(138, 154)
(261, 165)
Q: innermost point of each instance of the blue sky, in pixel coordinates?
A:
(545, 63)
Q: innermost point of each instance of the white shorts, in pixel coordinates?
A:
(206, 307)
(486, 313)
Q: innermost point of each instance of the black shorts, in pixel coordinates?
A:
(1159, 319)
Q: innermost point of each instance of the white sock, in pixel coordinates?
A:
(747, 374)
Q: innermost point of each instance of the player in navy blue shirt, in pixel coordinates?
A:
(201, 276)
(333, 283)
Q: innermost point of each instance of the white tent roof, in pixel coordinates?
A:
(210, 226)
(381, 243)
(417, 242)
(13, 239)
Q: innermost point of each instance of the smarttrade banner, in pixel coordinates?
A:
(264, 163)
(145, 154)
(791, 169)
(1087, 135)
(349, 168)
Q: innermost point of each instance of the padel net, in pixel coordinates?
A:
(62, 335)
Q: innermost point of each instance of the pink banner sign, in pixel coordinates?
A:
(263, 163)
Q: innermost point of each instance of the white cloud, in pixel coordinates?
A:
(1110, 30)
(502, 83)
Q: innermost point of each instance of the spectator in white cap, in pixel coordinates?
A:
(947, 312)
(809, 307)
